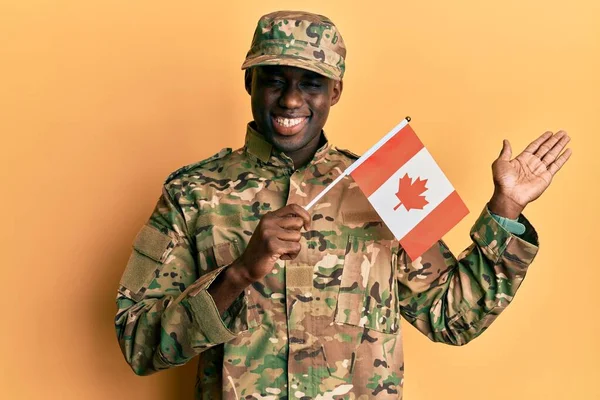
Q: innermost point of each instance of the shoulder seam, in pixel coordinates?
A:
(221, 154)
(348, 153)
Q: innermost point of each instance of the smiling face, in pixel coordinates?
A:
(290, 105)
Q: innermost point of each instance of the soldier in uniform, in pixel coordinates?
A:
(280, 303)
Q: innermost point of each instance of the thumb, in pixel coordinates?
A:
(506, 152)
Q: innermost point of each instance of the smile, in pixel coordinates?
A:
(288, 126)
(289, 122)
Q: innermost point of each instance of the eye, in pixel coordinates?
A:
(312, 84)
(275, 81)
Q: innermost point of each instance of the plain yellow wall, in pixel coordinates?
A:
(101, 100)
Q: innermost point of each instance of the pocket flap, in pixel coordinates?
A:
(225, 253)
(360, 217)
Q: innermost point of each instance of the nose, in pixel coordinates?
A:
(291, 98)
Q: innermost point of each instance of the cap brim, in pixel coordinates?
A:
(319, 67)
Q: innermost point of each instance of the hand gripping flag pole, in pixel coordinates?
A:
(406, 188)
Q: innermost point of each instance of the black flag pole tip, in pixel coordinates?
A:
(407, 118)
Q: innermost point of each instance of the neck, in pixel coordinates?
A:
(302, 156)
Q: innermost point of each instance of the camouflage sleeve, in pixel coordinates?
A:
(165, 315)
(453, 300)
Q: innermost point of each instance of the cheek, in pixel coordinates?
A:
(320, 107)
(270, 100)
(261, 103)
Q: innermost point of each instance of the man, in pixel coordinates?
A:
(280, 303)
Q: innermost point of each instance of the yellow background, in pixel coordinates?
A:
(101, 100)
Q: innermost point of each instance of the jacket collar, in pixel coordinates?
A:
(257, 147)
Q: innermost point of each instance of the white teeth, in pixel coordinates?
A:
(288, 122)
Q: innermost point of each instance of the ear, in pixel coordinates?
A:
(338, 87)
(248, 80)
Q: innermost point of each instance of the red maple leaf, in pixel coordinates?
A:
(410, 193)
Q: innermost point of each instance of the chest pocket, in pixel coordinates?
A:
(367, 295)
(218, 255)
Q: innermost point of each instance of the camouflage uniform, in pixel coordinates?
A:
(324, 326)
(327, 324)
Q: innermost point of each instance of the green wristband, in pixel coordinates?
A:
(511, 225)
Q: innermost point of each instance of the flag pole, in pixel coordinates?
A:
(358, 162)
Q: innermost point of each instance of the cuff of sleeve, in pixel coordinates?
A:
(239, 317)
(235, 309)
(207, 317)
(204, 310)
(490, 236)
(530, 235)
(494, 238)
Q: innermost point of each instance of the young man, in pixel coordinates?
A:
(280, 303)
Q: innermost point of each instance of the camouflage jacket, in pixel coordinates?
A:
(324, 326)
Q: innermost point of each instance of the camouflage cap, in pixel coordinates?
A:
(298, 39)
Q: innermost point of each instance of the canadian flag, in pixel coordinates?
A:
(408, 190)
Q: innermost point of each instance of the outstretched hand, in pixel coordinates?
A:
(523, 179)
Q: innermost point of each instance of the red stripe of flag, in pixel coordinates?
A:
(439, 221)
(382, 164)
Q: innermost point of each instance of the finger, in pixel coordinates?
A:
(506, 152)
(290, 223)
(288, 250)
(560, 161)
(282, 212)
(288, 257)
(533, 146)
(295, 210)
(302, 213)
(277, 247)
(556, 150)
(289, 235)
(272, 235)
(549, 144)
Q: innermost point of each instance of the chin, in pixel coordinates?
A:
(288, 144)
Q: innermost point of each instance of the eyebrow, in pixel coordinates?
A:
(271, 69)
(313, 75)
(279, 70)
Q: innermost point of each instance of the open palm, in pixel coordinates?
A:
(524, 178)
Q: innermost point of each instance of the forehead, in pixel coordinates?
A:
(287, 71)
